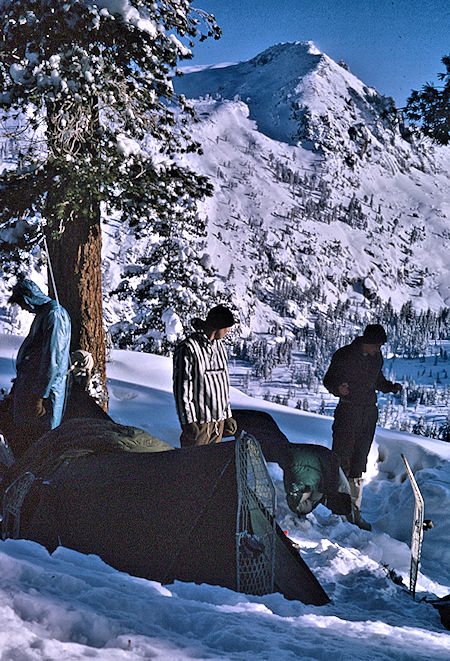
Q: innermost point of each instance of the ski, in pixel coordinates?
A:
(417, 530)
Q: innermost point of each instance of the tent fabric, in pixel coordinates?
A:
(80, 404)
(164, 516)
(159, 515)
(263, 427)
(443, 606)
(79, 437)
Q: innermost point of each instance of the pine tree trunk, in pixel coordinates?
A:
(75, 257)
(73, 234)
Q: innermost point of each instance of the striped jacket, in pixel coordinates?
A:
(201, 384)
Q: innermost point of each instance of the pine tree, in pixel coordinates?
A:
(431, 107)
(173, 283)
(87, 88)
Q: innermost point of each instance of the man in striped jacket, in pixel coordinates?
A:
(201, 384)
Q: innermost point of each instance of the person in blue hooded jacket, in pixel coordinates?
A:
(42, 362)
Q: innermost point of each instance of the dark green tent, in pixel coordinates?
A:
(202, 514)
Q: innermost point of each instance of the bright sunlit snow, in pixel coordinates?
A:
(71, 606)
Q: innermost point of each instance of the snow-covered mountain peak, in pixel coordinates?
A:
(321, 198)
(294, 92)
(266, 83)
(297, 146)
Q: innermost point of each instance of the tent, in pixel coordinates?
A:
(201, 514)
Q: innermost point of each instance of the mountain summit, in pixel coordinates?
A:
(319, 186)
(323, 199)
(295, 93)
(270, 84)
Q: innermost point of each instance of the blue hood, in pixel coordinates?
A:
(27, 292)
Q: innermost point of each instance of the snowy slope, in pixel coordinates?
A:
(70, 606)
(317, 182)
(321, 194)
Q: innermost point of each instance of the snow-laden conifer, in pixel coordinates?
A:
(86, 88)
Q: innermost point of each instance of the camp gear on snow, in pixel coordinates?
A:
(173, 515)
(417, 528)
(307, 468)
(81, 437)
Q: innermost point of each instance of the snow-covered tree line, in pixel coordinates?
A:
(304, 352)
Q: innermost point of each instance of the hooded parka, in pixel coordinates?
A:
(43, 358)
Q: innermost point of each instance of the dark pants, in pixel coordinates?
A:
(353, 432)
(209, 432)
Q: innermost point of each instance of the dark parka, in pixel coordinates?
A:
(43, 358)
(356, 414)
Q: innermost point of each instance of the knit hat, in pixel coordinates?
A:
(220, 317)
(374, 334)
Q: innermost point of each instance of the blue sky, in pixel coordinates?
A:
(393, 45)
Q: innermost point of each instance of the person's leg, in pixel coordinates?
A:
(355, 517)
(369, 417)
(359, 464)
(206, 433)
(216, 431)
(346, 427)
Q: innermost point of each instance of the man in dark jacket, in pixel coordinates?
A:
(42, 362)
(354, 375)
(201, 383)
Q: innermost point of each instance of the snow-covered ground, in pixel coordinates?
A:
(71, 606)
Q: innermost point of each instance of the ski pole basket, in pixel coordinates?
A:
(255, 520)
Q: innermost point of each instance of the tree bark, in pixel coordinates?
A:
(75, 257)
(73, 234)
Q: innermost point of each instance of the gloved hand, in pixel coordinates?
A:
(230, 427)
(37, 408)
(397, 387)
(190, 430)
